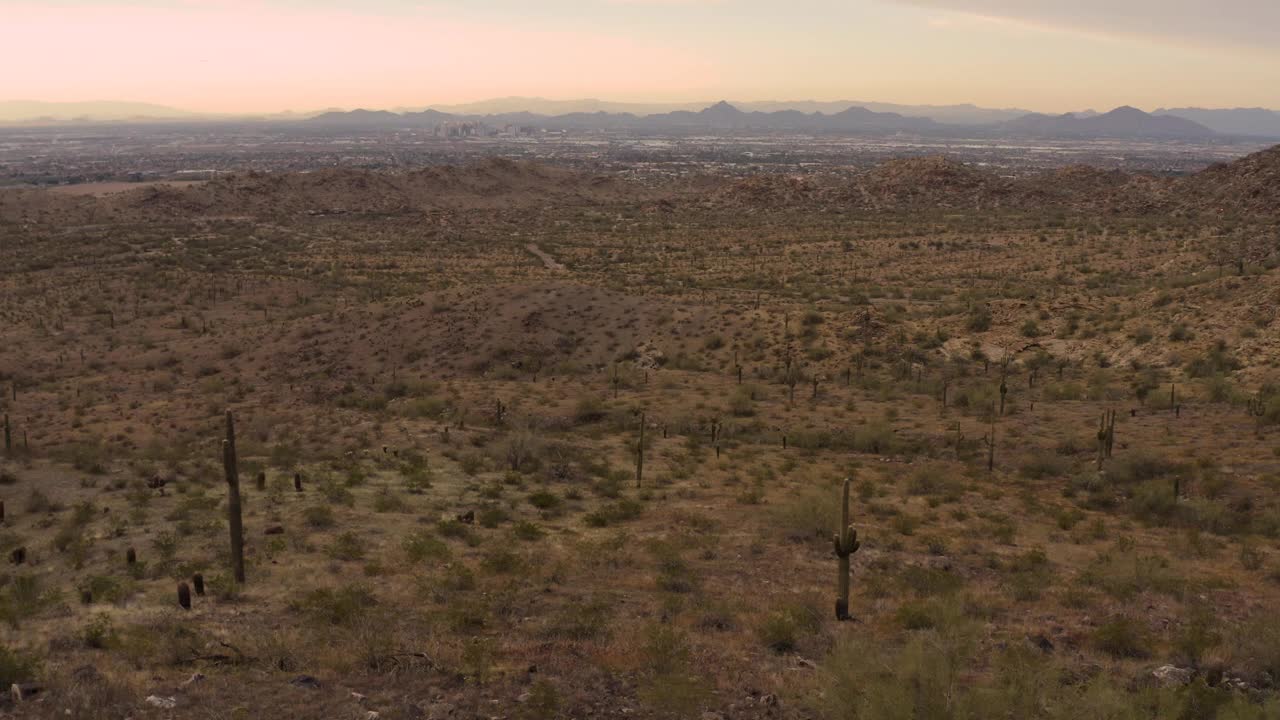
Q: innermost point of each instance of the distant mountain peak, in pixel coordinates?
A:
(722, 108)
(1128, 110)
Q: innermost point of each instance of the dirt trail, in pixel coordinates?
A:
(552, 264)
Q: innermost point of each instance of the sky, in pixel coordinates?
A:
(303, 55)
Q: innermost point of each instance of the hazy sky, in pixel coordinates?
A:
(267, 55)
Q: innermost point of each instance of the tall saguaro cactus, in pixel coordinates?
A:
(640, 453)
(233, 499)
(846, 543)
(1106, 436)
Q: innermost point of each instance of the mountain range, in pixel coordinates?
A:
(807, 116)
(1119, 123)
(1123, 122)
(964, 114)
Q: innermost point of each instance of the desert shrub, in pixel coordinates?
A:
(1123, 574)
(545, 500)
(809, 513)
(581, 619)
(23, 597)
(389, 501)
(491, 516)
(589, 409)
(671, 684)
(979, 319)
(336, 493)
(16, 666)
(543, 702)
(1153, 501)
(421, 545)
(337, 606)
(38, 502)
(456, 530)
(99, 633)
(107, 589)
(1043, 466)
(527, 531)
(784, 628)
(1123, 637)
(1197, 634)
(1255, 646)
(926, 582)
(875, 437)
(1136, 467)
(347, 546)
(674, 573)
(319, 517)
(500, 561)
(917, 615)
(613, 513)
(1216, 361)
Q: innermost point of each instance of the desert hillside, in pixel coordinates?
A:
(516, 440)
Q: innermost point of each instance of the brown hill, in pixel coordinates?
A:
(1250, 185)
(23, 205)
(766, 192)
(1083, 187)
(492, 183)
(933, 181)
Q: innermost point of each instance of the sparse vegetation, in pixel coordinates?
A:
(438, 435)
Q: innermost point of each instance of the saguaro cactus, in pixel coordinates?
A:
(1106, 435)
(233, 499)
(846, 543)
(640, 453)
(1102, 440)
(990, 440)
